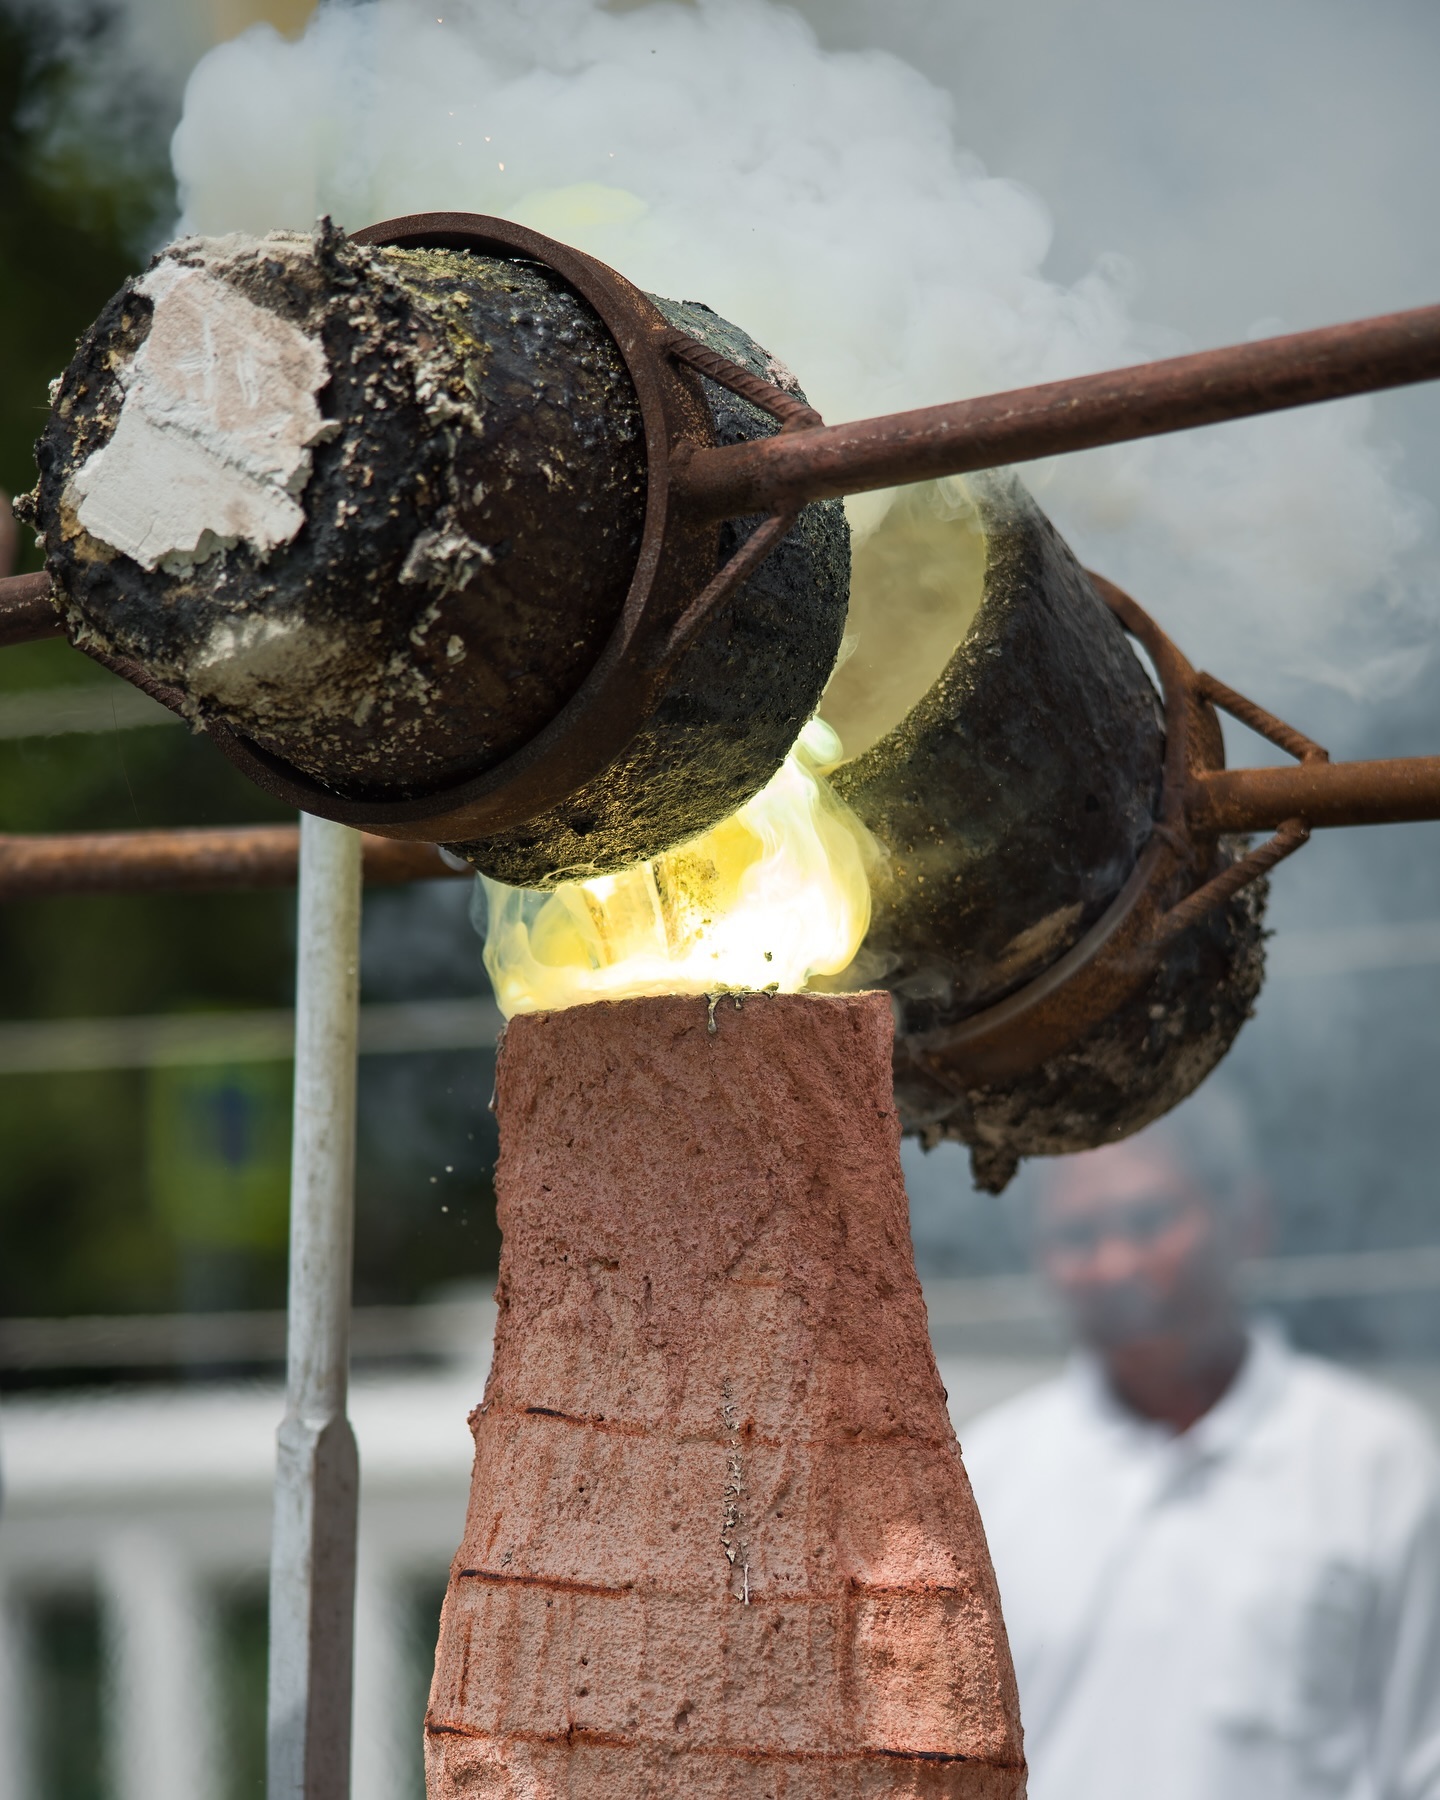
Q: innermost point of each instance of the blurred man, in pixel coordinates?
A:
(1219, 1560)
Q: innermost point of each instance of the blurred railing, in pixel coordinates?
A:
(53, 1046)
(440, 1331)
(446, 1329)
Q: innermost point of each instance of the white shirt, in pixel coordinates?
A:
(1251, 1609)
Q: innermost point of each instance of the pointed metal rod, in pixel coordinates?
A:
(312, 1556)
(775, 473)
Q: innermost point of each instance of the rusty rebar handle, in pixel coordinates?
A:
(27, 610)
(1224, 886)
(1176, 394)
(1292, 834)
(194, 861)
(1292, 802)
(1401, 790)
(791, 414)
(1260, 720)
(765, 538)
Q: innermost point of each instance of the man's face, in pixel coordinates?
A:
(1134, 1248)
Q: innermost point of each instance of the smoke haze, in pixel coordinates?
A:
(825, 200)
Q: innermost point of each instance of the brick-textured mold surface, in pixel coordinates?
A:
(720, 1540)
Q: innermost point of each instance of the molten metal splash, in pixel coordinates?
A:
(770, 898)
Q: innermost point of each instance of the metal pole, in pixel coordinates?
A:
(312, 1558)
(1399, 791)
(773, 473)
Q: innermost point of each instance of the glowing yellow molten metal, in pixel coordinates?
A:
(771, 897)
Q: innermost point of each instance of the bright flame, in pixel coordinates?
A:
(770, 898)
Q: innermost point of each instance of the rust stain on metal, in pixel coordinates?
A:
(1400, 790)
(1057, 417)
(187, 862)
(27, 610)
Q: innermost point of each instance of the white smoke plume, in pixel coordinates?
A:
(824, 201)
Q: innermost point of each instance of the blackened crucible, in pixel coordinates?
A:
(1013, 803)
(442, 562)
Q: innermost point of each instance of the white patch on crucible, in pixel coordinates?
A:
(252, 664)
(212, 446)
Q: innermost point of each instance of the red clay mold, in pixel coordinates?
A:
(720, 1540)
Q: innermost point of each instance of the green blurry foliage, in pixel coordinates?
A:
(242, 1642)
(218, 1153)
(70, 223)
(65, 1703)
(90, 1214)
